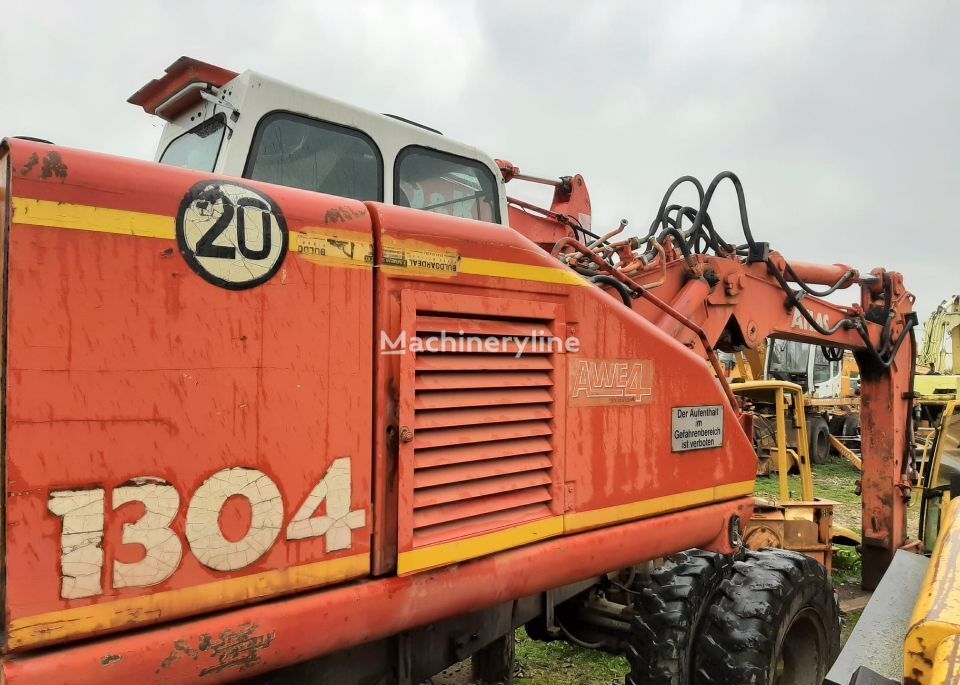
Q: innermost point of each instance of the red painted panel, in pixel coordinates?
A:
(124, 363)
(615, 454)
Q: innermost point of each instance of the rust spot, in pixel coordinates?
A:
(180, 648)
(239, 649)
(339, 215)
(167, 253)
(53, 165)
(28, 167)
(110, 659)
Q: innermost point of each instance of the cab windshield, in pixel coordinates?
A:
(788, 361)
(198, 148)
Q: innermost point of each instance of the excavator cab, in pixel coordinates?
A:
(252, 126)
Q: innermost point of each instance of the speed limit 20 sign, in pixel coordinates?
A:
(233, 236)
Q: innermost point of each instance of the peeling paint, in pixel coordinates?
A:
(110, 659)
(53, 165)
(181, 648)
(339, 522)
(236, 649)
(338, 215)
(81, 540)
(163, 549)
(239, 649)
(207, 541)
(30, 164)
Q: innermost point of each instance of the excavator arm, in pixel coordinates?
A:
(713, 295)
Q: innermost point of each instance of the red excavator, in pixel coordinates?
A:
(313, 399)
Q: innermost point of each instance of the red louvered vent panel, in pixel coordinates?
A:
(483, 428)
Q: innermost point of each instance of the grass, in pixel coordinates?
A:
(847, 566)
(849, 623)
(559, 663)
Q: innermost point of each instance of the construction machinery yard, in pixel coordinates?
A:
(323, 396)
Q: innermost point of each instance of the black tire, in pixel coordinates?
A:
(670, 606)
(818, 433)
(851, 426)
(775, 621)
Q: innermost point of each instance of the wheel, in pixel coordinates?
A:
(818, 433)
(851, 425)
(774, 622)
(851, 430)
(670, 605)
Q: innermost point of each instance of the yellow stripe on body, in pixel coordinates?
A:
(527, 272)
(478, 545)
(470, 548)
(51, 214)
(659, 505)
(86, 218)
(163, 606)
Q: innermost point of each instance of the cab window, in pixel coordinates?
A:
(297, 151)
(787, 361)
(198, 148)
(447, 184)
(822, 371)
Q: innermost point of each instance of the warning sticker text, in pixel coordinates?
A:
(696, 428)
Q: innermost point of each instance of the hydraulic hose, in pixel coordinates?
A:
(625, 294)
(702, 229)
(659, 220)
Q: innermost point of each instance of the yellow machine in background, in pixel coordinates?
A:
(780, 438)
(937, 378)
(831, 388)
(941, 339)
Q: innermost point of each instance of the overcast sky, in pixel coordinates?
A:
(841, 118)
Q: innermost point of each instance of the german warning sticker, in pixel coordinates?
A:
(696, 428)
(233, 236)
